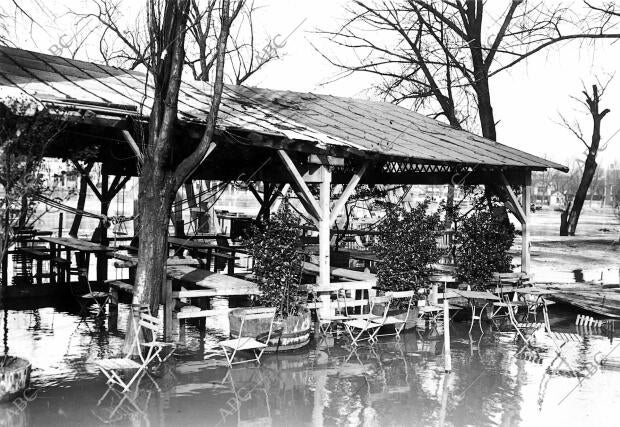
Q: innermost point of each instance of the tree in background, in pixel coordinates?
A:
(570, 216)
(440, 56)
(26, 129)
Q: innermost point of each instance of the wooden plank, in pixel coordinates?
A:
(311, 268)
(202, 313)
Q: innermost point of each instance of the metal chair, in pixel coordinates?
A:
(113, 368)
(242, 343)
(369, 325)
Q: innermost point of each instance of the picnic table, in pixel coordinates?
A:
(82, 249)
(208, 250)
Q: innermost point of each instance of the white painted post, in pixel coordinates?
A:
(324, 237)
(446, 331)
(525, 229)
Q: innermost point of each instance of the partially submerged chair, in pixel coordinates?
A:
(331, 313)
(235, 345)
(113, 368)
(399, 323)
(366, 328)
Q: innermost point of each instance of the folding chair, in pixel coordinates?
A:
(113, 368)
(248, 343)
(398, 323)
(337, 313)
(369, 325)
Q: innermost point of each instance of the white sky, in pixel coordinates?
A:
(527, 99)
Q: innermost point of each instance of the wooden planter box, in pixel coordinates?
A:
(14, 379)
(287, 334)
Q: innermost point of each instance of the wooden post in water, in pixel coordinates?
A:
(525, 228)
(60, 220)
(446, 331)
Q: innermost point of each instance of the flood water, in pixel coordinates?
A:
(396, 383)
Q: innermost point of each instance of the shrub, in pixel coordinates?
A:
(278, 261)
(407, 247)
(482, 240)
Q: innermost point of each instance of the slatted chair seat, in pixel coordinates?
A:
(111, 367)
(244, 343)
(117, 364)
(531, 325)
(565, 336)
(95, 295)
(362, 324)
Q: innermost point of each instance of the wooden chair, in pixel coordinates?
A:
(242, 343)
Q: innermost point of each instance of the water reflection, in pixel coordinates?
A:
(494, 380)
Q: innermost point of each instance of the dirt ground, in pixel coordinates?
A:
(594, 247)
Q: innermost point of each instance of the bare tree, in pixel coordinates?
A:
(440, 56)
(127, 45)
(591, 102)
(159, 181)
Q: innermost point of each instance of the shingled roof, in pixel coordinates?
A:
(321, 120)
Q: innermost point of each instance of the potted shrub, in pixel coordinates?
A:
(483, 239)
(275, 247)
(14, 371)
(407, 247)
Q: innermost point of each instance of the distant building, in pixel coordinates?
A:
(557, 200)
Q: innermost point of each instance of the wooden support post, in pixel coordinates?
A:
(113, 314)
(102, 259)
(304, 193)
(446, 332)
(525, 226)
(348, 191)
(168, 308)
(179, 230)
(324, 223)
(60, 220)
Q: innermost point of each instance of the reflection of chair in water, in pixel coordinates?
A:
(114, 406)
(255, 385)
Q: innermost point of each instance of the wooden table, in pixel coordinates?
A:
(82, 249)
(208, 250)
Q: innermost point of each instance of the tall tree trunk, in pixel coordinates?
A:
(582, 192)
(592, 101)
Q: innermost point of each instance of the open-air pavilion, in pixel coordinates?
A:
(279, 138)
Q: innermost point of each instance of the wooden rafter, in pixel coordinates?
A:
(89, 181)
(302, 190)
(134, 146)
(520, 213)
(348, 191)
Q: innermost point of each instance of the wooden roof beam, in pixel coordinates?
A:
(348, 191)
(520, 213)
(310, 203)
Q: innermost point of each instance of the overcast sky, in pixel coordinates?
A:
(527, 99)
